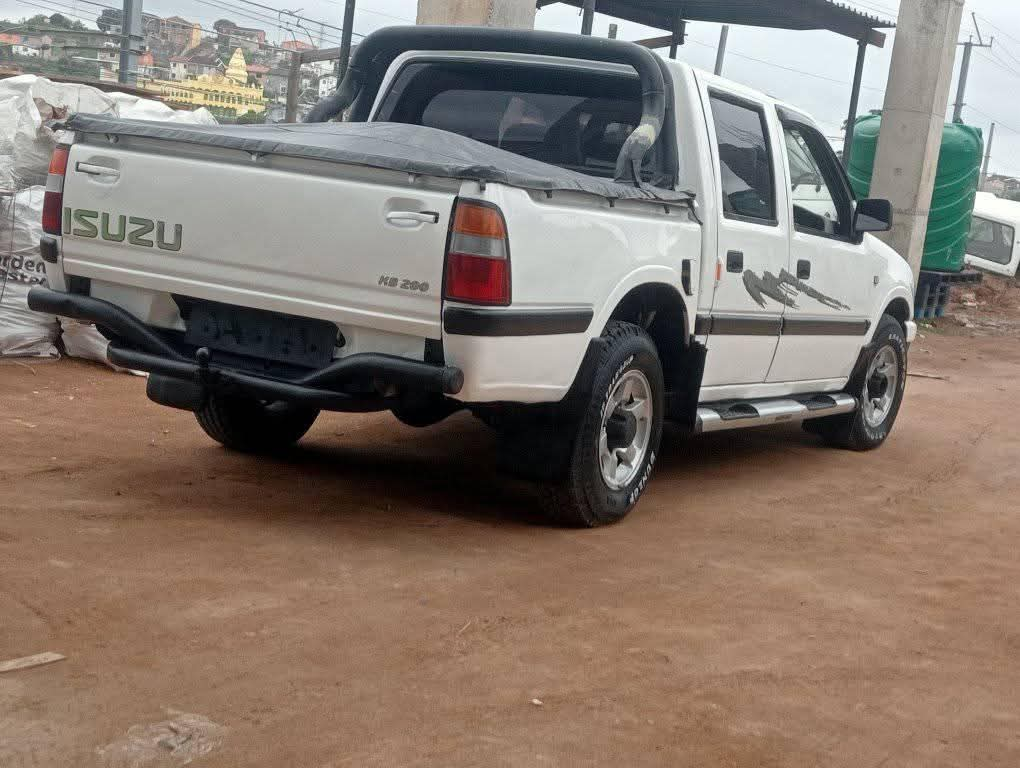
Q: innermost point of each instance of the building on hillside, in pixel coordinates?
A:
(275, 84)
(200, 61)
(147, 65)
(257, 74)
(108, 59)
(225, 94)
(23, 49)
(296, 45)
(230, 34)
(327, 85)
(180, 34)
(322, 68)
(1000, 185)
(76, 42)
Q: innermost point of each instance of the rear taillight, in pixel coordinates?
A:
(53, 200)
(478, 257)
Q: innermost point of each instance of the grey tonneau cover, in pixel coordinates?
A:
(393, 146)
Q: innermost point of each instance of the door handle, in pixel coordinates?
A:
(406, 218)
(97, 170)
(803, 269)
(734, 261)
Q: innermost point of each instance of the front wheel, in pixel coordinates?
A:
(617, 436)
(253, 426)
(878, 384)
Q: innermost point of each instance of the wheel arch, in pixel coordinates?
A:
(661, 311)
(899, 308)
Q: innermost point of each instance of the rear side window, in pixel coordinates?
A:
(748, 180)
(573, 120)
(991, 240)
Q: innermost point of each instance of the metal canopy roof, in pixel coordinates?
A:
(780, 14)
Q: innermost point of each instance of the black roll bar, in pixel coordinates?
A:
(377, 51)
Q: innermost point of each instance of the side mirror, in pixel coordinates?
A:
(873, 215)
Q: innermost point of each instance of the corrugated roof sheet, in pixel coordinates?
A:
(780, 14)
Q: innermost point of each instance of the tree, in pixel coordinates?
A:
(251, 117)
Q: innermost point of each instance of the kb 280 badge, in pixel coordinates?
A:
(402, 283)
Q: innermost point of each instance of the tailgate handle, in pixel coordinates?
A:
(403, 218)
(96, 170)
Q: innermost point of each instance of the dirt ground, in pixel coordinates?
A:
(383, 597)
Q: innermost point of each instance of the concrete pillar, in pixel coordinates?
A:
(485, 13)
(916, 99)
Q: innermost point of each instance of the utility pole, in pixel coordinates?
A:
(720, 54)
(130, 41)
(345, 41)
(988, 157)
(961, 86)
(913, 117)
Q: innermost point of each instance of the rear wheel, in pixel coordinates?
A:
(253, 426)
(615, 434)
(878, 384)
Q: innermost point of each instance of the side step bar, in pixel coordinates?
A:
(740, 414)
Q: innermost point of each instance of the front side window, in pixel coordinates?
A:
(748, 181)
(815, 207)
(991, 240)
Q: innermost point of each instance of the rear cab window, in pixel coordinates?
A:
(745, 159)
(573, 119)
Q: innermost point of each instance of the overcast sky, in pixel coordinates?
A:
(810, 69)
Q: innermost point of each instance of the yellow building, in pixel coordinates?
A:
(227, 94)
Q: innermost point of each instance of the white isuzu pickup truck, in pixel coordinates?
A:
(569, 236)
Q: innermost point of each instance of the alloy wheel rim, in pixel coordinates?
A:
(626, 430)
(880, 387)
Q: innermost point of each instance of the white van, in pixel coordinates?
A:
(994, 230)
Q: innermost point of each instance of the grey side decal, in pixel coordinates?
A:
(785, 290)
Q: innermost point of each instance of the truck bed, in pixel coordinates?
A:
(392, 146)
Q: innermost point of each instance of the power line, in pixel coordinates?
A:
(65, 13)
(999, 64)
(384, 14)
(253, 16)
(998, 29)
(296, 16)
(1003, 64)
(785, 68)
(996, 120)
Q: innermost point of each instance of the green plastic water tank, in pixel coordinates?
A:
(956, 183)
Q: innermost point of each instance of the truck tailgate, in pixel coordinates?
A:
(307, 240)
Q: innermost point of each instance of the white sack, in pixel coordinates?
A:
(22, 331)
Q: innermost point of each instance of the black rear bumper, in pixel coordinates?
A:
(139, 347)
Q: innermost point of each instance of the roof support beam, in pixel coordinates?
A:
(855, 97)
(677, 38)
(655, 42)
(587, 16)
